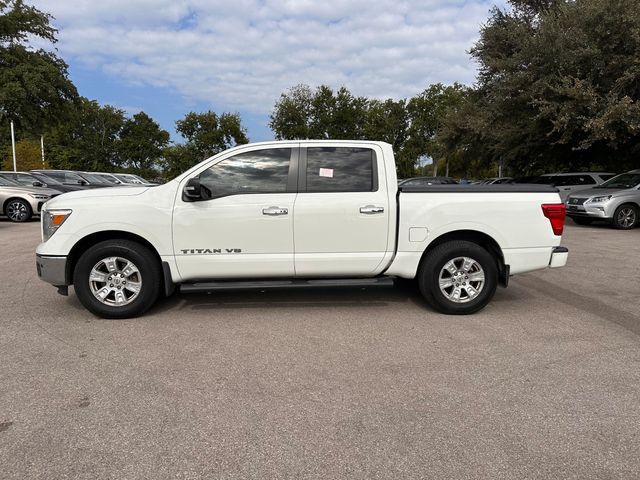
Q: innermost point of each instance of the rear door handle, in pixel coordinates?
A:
(274, 211)
(371, 209)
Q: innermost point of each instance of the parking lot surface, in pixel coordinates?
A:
(543, 383)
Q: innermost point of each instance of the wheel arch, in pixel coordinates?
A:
(484, 240)
(15, 197)
(92, 239)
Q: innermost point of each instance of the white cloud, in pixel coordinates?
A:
(241, 55)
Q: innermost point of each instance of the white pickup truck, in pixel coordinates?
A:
(296, 214)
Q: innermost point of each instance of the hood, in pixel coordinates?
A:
(596, 192)
(96, 193)
(33, 190)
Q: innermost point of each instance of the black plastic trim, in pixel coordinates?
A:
(522, 188)
(560, 250)
(169, 286)
(285, 284)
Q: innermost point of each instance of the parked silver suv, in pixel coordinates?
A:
(19, 202)
(616, 201)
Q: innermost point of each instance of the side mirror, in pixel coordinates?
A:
(192, 191)
(82, 182)
(38, 184)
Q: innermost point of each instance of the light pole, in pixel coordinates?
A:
(13, 147)
(42, 148)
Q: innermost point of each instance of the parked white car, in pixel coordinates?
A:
(299, 214)
(567, 183)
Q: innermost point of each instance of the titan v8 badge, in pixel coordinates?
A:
(209, 251)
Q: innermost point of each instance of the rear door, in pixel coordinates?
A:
(342, 214)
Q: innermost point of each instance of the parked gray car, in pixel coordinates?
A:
(616, 201)
(19, 202)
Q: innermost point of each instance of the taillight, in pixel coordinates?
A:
(555, 212)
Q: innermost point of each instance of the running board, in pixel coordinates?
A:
(286, 284)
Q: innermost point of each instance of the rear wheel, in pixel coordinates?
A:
(18, 210)
(118, 279)
(625, 217)
(582, 221)
(458, 277)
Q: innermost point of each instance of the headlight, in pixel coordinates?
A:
(39, 196)
(52, 220)
(599, 199)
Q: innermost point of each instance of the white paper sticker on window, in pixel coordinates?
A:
(326, 172)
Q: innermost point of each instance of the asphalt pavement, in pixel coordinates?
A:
(543, 383)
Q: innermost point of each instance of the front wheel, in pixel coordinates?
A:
(118, 279)
(625, 217)
(18, 210)
(458, 277)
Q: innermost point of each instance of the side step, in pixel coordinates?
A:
(217, 286)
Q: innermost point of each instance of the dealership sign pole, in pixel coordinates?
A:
(13, 147)
(42, 148)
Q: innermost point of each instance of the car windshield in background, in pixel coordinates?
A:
(626, 180)
(95, 179)
(46, 179)
(128, 178)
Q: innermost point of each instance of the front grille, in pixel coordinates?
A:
(576, 201)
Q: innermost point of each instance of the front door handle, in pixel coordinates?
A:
(274, 211)
(371, 210)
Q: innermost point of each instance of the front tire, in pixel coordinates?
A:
(458, 277)
(118, 279)
(18, 210)
(625, 217)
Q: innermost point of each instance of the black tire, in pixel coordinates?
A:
(150, 278)
(626, 217)
(18, 210)
(582, 221)
(432, 265)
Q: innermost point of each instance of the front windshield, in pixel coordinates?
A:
(108, 178)
(626, 180)
(5, 182)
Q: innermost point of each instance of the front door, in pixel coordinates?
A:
(341, 218)
(244, 226)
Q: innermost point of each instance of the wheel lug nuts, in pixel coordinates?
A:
(111, 284)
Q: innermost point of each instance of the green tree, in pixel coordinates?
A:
(35, 89)
(558, 87)
(427, 114)
(302, 113)
(141, 144)
(206, 134)
(89, 139)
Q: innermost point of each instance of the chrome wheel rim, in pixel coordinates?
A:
(115, 281)
(461, 279)
(627, 217)
(17, 211)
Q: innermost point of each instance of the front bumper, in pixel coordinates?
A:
(602, 211)
(559, 257)
(52, 270)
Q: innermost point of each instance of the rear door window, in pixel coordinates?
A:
(341, 169)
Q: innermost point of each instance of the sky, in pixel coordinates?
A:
(169, 57)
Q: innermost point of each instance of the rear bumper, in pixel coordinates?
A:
(559, 257)
(52, 270)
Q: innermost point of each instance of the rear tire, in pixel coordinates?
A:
(582, 221)
(18, 210)
(118, 279)
(625, 217)
(458, 277)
